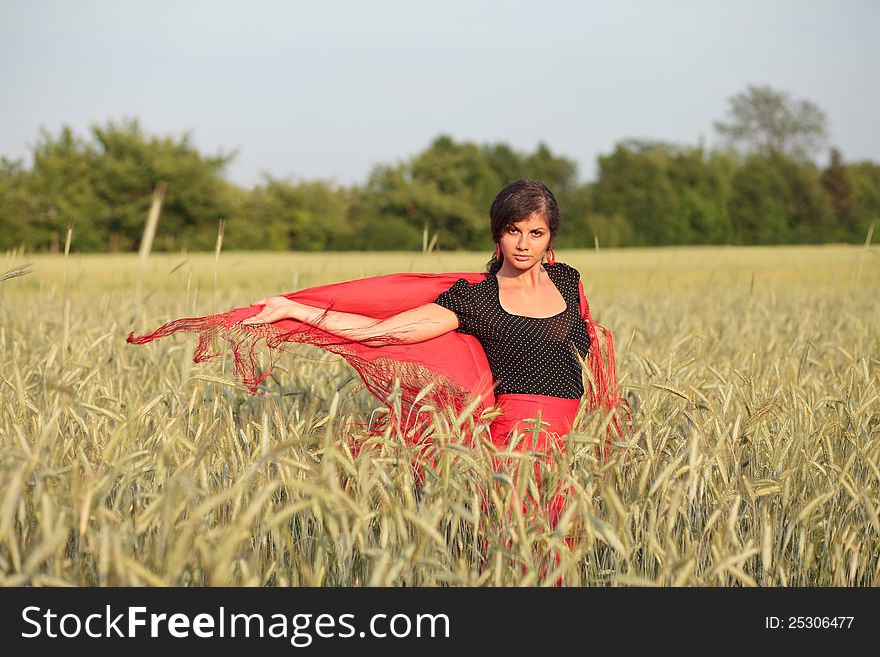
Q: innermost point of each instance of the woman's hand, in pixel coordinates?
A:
(277, 308)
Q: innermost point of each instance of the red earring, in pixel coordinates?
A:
(551, 257)
(498, 252)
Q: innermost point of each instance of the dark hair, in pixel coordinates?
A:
(517, 201)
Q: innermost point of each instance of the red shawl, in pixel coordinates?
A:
(453, 364)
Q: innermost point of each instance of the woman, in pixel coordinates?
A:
(512, 338)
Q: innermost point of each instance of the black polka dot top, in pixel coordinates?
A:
(527, 355)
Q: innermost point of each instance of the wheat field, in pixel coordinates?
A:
(756, 459)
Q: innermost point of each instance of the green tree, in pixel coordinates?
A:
(448, 188)
(61, 188)
(634, 184)
(16, 206)
(558, 173)
(279, 215)
(105, 186)
(865, 178)
(456, 170)
(775, 200)
(129, 165)
(580, 227)
(766, 121)
(504, 161)
(702, 184)
(838, 187)
(393, 210)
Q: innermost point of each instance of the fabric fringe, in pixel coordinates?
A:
(602, 393)
(452, 367)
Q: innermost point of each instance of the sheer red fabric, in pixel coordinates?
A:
(517, 411)
(447, 372)
(519, 415)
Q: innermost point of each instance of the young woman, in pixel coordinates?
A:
(513, 337)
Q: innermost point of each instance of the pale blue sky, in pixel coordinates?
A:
(309, 89)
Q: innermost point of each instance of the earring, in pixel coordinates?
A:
(551, 257)
(498, 252)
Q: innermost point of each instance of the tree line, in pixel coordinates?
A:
(761, 188)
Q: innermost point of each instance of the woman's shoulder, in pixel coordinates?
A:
(478, 290)
(468, 288)
(472, 283)
(566, 270)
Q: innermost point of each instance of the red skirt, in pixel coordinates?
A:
(520, 412)
(539, 424)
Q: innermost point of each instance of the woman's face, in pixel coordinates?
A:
(523, 244)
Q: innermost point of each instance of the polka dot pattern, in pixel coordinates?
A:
(527, 355)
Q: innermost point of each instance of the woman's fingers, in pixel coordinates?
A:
(275, 308)
(265, 316)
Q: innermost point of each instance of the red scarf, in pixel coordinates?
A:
(454, 362)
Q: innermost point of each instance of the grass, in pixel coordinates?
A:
(756, 460)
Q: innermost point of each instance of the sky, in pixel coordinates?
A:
(308, 89)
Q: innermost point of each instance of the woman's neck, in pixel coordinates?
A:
(528, 278)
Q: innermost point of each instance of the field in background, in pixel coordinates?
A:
(754, 373)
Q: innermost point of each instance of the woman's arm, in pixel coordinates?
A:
(415, 325)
